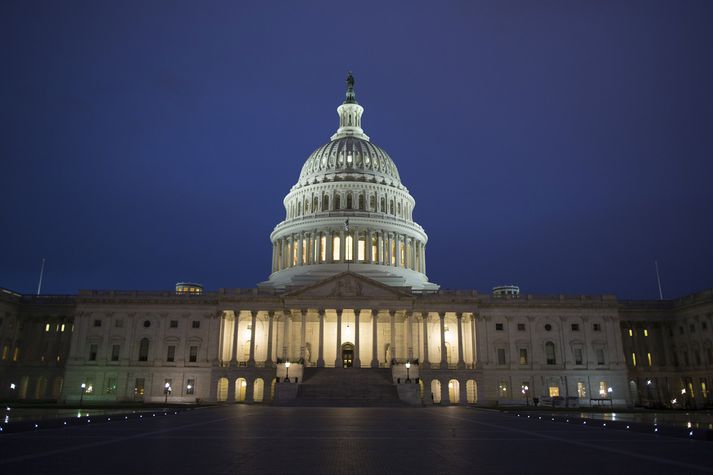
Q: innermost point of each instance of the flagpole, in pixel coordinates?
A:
(346, 230)
(42, 271)
(658, 279)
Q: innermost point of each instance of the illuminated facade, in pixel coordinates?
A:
(348, 288)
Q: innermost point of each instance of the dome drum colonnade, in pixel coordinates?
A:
(349, 207)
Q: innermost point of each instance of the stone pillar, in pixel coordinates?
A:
(342, 246)
(270, 319)
(368, 247)
(423, 258)
(338, 359)
(320, 358)
(300, 246)
(473, 340)
(409, 335)
(251, 360)
(357, 359)
(234, 353)
(444, 356)
(285, 333)
(459, 320)
(388, 249)
(303, 334)
(317, 247)
(424, 316)
(329, 242)
(392, 315)
(380, 248)
(374, 338)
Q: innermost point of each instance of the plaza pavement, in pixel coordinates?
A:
(255, 439)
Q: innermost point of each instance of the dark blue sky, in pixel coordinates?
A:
(562, 146)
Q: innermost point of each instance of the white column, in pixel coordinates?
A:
(459, 320)
(444, 358)
(368, 248)
(342, 246)
(374, 342)
(320, 358)
(357, 359)
(424, 316)
(409, 335)
(473, 340)
(251, 360)
(285, 333)
(392, 315)
(270, 321)
(330, 242)
(338, 359)
(234, 353)
(300, 246)
(303, 333)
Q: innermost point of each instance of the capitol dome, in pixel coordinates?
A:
(349, 211)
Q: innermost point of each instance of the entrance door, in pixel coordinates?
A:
(347, 355)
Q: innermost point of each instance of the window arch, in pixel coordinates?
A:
(391, 206)
(315, 204)
(349, 201)
(337, 202)
(550, 353)
(361, 202)
(258, 390)
(144, 349)
(372, 203)
(383, 205)
(436, 391)
(398, 210)
(471, 391)
(325, 203)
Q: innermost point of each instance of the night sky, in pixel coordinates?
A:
(562, 146)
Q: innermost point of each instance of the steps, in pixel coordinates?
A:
(362, 387)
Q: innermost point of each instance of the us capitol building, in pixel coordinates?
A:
(348, 316)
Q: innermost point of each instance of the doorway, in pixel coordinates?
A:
(347, 355)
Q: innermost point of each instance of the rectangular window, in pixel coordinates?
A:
(16, 353)
(521, 327)
(322, 250)
(196, 324)
(631, 332)
(174, 324)
(118, 323)
(646, 332)
(503, 389)
(88, 385)
(393, 252)
(92, 352)
(600, 356)
(348, 247)
(603, 389)
(633, 359)
(97, 323)
(115, 352)
(554, 391)
(648, 357)
(139, 387)
(578, 356)
(361, 249)
(704, 389)
(499, 327)
(374, 250)
(575, 327)
(581, 390)
(501, 356)
(335, 248)
(304, 251)
(402, 254)
(61, 328)
(47, 328)
(5, 352)
(110, 386)
(193, 354)
(523, 356)
(190, 386)
(597, 327)
(171, 353)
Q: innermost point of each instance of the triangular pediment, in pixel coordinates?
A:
(351, 285)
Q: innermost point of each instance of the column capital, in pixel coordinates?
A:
(441, 315)
(270, 313)
(303, 311)
(357, 311)
(321, 312)
(339, 311)
(392, 313)
(254, 312)
(374, 312)
(459, 315)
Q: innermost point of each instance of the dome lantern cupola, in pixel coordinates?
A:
(350, 113)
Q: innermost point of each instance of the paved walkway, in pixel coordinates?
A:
(255, 439)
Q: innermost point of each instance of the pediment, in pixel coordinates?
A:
(348, 284)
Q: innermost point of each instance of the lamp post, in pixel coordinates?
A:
(525, 390)
(408, 374)
(166, 391)
(83, 387)
(287, 371)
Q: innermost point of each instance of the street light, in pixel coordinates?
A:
(287, 371)
(83, 387)
(408, 367)
(525, 391)
(166, 391)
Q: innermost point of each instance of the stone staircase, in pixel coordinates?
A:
(361, 387)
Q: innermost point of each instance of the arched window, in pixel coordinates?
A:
(372, 203)
(325, 203)
(306, 206)
(349, 201)
(337, 202)
(240, 388)
(144, 349)
(398, 210)
(258, 389)
(436, 391)
(550, 353)
(453, 391)
(391, 206)
(383, 205)
(299, 209)
(361, 202)
(471, 391)
(315, 204)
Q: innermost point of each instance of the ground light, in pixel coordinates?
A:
(83, 388)
(166, 391)
(287, 371)
(408, 367)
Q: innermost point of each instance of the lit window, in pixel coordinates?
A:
(61, 328)
(633, 359)
(648, 356)
(602, 388)
(16, 354)
(523, 356)
(335, 248)
(139, 387)
(322, 248)
(5, 351)
(503, 389)
(89, 385)
(631, 332)
(646, 332)
(110, 385)
(361, 249)
(554, 391)
(581, 390)
(190, 386)
(47, 328)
